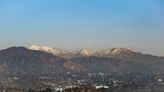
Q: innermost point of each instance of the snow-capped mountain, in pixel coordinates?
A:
(58, 52)
(84, 52)
(116, 52)
(53, 51)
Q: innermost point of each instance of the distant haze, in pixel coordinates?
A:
(92, 24)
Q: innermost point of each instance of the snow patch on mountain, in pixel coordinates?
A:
(53, 51)
(116, 51)
(84, 52)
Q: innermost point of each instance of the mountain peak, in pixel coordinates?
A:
(15, 48)
(120, 50)
(116, 51)
(47, 49)
(85, 52)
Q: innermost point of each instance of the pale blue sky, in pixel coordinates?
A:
(74, 24)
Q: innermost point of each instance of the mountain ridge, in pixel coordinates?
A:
(86, 52)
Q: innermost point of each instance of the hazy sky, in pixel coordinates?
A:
(93, 24)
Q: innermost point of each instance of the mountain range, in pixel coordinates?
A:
(23, 64)
(84, 51)
(126, 58)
